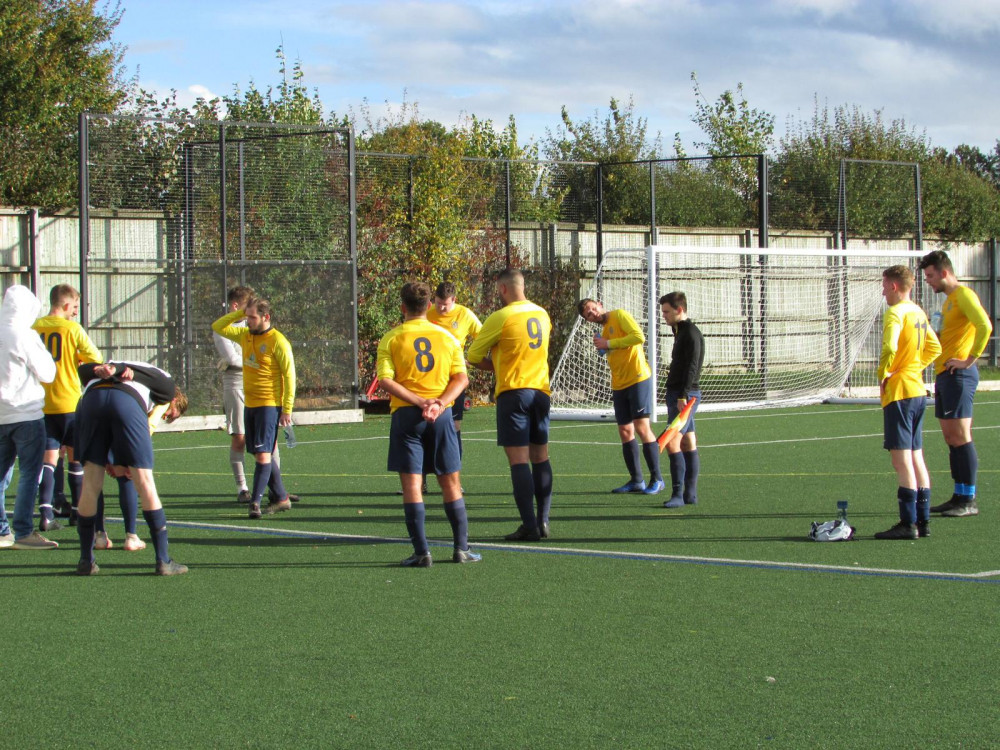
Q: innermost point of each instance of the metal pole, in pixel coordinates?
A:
(34, 271)
(842, 205)
(652, 316)
(992, 248)
(84, 211)
(243, 238)
(223, 246)
(187, 254)
(763, 177)
(652, 207)
(506, 214)
(920, 208)
(599, 174)
(352, 200)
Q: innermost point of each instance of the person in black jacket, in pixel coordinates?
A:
(113, 419)
(686, 360)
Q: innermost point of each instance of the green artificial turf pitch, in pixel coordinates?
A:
(718, 625)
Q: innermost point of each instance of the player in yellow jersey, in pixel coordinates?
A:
(514, 344)
(70, 346)
(464, 325)
(621, 339)
(269, 389)
(420, 366)
(908, 347)
(965, 332)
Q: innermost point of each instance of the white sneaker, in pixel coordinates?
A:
(101, 541)
(6, 540)
(133, 543)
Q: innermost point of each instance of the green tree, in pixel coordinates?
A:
(57, 60)
(618, 138)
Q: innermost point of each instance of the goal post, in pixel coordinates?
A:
(782, 326)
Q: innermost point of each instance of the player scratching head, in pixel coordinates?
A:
(897, 281)
(258, 316)
(592, 311)
(415, 298)
(64, 301)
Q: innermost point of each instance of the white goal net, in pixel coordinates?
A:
(781, 327)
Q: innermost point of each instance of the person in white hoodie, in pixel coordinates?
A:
(24, 365)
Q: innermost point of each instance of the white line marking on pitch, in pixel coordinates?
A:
(590, 552)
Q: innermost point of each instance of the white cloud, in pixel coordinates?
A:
(956, 18)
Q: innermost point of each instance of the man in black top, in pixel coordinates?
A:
(686, 360)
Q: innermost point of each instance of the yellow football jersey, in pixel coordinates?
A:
(965, 327)
(268, 364)
(69, 346)
(626, 356)
(908, 346)
(420, 356)
(460, 321)
(517, 338)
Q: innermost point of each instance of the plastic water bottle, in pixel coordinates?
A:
(600, 352)
(842, 510)
(290, 441)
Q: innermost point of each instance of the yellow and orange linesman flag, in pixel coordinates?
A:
(677, 425)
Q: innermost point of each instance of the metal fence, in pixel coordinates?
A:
(174, 212)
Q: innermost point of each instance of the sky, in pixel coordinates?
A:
(933, 63)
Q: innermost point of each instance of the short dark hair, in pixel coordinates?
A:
(581, 303)
(677, 300)
(61, 292)
(261, 305)
(938, 259)
(901, 275)
(445, 290)
(416, 296)
(511, 276)
(239, 294)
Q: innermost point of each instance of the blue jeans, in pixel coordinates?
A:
(4, 484)
(26, 442)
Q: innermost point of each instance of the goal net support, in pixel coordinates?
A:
(782, 327)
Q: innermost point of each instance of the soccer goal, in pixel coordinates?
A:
(782, 327)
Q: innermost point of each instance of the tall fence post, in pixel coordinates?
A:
(34, 269)
(652, 206)
(352, 208)
(919, 207)
(992, 249)
(506, 207)
(223, 245)
(599, 174)
(763, 190)
(84, 211)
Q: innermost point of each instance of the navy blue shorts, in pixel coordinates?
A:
(458, 408)
(903, 424)
(953, 392)
(673, 411)
(59, 429)
(417, 446)
(110, 421)
(633, 402)
(523, 417)
(261, 424)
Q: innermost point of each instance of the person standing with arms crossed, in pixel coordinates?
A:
(421, 367)
(965, 332)
(70, 346)
(514, 343)
(908, 346)
(631, 391)
(686, 360)
(269, 383)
